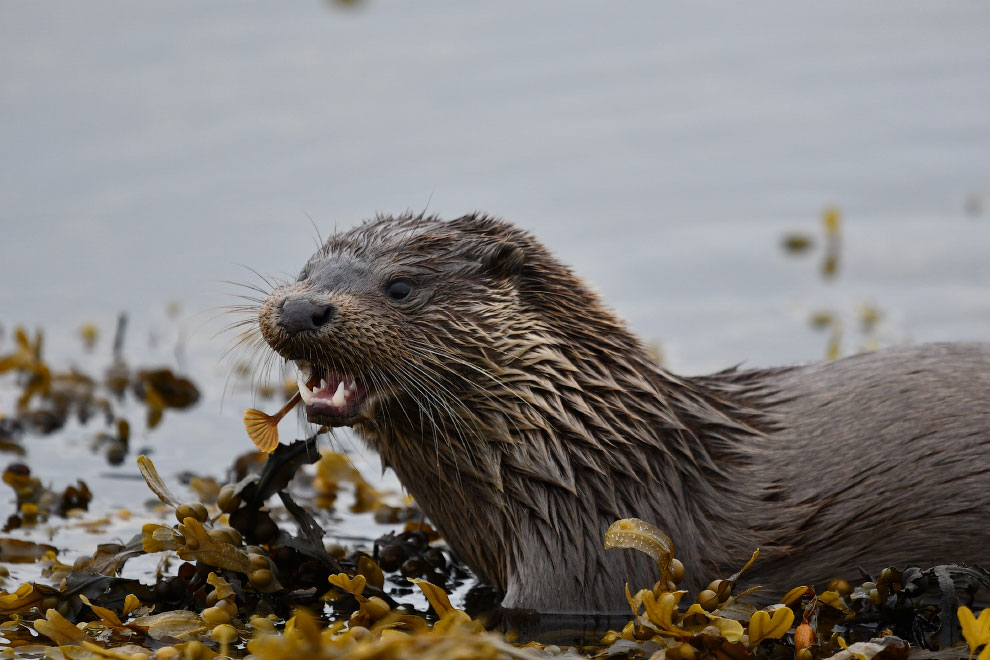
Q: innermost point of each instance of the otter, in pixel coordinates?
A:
(525, 418)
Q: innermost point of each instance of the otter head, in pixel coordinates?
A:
(491, 379)
(397, 321)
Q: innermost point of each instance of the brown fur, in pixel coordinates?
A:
(525, 418)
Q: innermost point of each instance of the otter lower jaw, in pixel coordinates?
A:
(331, 399)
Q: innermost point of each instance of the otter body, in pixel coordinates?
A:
(525, 418)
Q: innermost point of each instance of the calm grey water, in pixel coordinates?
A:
(663, 149)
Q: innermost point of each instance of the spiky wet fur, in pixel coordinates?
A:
(525, 418)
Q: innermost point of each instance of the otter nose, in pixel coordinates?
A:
(300, 314)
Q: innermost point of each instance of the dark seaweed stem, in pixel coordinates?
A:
(118, 338)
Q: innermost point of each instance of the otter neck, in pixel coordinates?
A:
(576, 434)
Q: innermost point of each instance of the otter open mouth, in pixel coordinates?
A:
(331, 398)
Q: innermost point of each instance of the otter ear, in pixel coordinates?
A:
(502, 259)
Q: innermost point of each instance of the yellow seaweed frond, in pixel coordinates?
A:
(262, 429)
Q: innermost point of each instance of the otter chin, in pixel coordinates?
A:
(525, 418)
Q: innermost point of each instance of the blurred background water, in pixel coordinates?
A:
(663, 149)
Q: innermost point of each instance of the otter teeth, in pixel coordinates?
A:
(339, 398)
(304, 392)
(339, 393)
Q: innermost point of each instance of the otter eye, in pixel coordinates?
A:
(398, 289)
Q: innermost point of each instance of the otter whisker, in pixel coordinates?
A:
(425, 372)
(234, 325)
(256, 347)
(378, 383)
(408, 383)
(271, 282)
(248, 318)
(244, 341)
(476, 432)
(247, 285)
(255, 305)
(424, 408)
(377, 379)
(498, 381)
(256, 302)
(496, 404)
(429, 360)
(431, 397)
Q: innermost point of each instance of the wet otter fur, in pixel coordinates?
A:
(525, 418)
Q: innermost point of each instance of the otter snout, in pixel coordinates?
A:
(300, 314)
